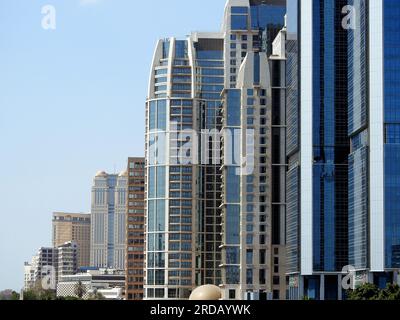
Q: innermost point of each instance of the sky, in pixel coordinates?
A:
(72, 103)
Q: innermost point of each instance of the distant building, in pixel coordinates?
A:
(29, 276)
(51, 263)
(135, 230)
(67, 259)
(74, 227)
(110, 283)
(108, 235)
(43, 264)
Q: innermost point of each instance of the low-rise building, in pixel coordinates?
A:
(110, 283)
(29, 276)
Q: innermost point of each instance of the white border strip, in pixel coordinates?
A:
(306, 155)
(376, 125)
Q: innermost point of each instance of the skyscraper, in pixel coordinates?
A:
(342, 97)
(318, 148)
(253, 216)
(374, 132)
(108, 228)
(73, 227)
(135, 228)
(192, 234)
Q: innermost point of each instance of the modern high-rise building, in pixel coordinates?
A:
(108, 233)
(374, 132)
(254, 205)
(318, 148)
(73, 227)
(342, 143)
(135, 230)
(195, 204)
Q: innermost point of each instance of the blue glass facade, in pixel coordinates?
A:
(209, 84)
(232, 198)
(293, 250)
(330, 140)
(358, 73)
(293, 221)
(358, 201)
(268, 18)
(392, 122)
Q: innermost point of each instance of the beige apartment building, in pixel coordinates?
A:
(73, 227)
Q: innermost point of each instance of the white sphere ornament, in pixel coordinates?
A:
(206, 293)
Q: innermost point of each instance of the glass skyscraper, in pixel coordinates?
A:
(318, 148)
(374, 99)
(342, 183)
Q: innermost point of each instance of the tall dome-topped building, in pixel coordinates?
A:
(109, 201)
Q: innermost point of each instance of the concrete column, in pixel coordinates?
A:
(396, 278)
(301, 293)
(322, 288)
(340, 287)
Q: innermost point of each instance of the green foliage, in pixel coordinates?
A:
(392, 292)
(68, 299)
(372, 292)
(15, 296)
(9, 295)
(36, 294)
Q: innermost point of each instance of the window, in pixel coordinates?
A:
(249, 276)
(239, 22)
(239, 10)
(249, 257)
(232, 294)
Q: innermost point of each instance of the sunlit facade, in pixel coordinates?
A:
(192, 235)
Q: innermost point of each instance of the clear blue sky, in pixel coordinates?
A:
(72, 103)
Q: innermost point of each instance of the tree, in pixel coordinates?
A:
(30, 295)
(80, 290)
(68, 299)
(38, 293)
(367, 291)
(372, 292)
(15, 296)
(392, 292)
(9, 295)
